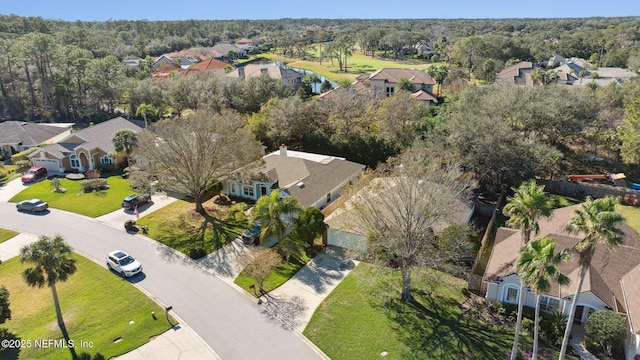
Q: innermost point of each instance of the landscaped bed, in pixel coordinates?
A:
(98, 307)
(92, 204)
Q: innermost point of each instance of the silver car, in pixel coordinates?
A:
(33, 205)
(123, 263)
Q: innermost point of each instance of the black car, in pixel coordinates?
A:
(252, 234)
(134, 200)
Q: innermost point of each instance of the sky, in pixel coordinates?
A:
(101, 10)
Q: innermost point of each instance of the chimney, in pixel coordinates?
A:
(283, 150)
(241, 72)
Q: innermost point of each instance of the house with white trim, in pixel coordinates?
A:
(17, 136)
(85, 149)
(611, 282)
(314, 179)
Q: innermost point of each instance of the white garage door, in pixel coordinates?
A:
(52, 166)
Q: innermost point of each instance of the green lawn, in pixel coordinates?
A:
(357, 64)
(363, 317)
(98, 307)
(178, 226)
(8, 173)
(632, 214)
(91, 204)
(6, 234)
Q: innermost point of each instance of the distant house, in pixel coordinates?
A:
(586, 73)
(424, 49)
(314, 179)
(221, 51)
(518, 74)
(289, 76)
(84, 149)
(209, 66)
(180, 61)
(133, 62)
(17, 136)
(611, 282)
(384, 82)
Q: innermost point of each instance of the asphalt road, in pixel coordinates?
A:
(229, 321)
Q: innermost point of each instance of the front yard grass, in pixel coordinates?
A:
(97, 305)
(178, 226)
(363, 318)
(91, 204)
(282, 273)
(6, 234)
(632, 214)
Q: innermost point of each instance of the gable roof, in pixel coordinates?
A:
(257, 70)
(393, 76)
(320, 174)
(30, 134)
(94, 137)
(516, 71)
(603, 279)
(209, 64)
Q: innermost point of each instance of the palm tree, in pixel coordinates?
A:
(125, 140)
(598, 221)
(269, 211)
(50, 257)
(537, 76)
(537, 268)
(527, 205)
(144, 109)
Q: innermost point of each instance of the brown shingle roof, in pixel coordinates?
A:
(608, 267)
(391, 75)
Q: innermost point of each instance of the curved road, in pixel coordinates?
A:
(229, 321)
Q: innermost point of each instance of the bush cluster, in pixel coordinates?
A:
(93, 185)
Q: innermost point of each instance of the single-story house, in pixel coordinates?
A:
(17, 136)
(314, 179)
(518, 74)
(84, 149)
(611, 282)
(289, 76)
(181, 61)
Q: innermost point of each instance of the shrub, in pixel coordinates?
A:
(196, 253)
(93, 174)
(93, 185)
(552, 327)
(22, 156)
(129, 225)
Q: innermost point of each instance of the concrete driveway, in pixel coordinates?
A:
(10, 189)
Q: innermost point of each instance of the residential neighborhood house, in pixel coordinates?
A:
(85, 149)
(17, 136)
(518, 74)
(385, 81)
(289, 76)
(611, 282)
(314, 179)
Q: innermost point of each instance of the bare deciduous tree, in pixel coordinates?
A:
(258, 263)
(402, 207)
(190, 154)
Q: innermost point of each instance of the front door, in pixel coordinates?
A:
(577, 318)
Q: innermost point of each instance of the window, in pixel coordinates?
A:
(328, 198)
(106, 160)
(75, 162)
(511, 295)
(248, 191)
(232, 186)
(389, 90)
(549, 303)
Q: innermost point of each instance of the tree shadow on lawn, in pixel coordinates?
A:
(440, 330)
(198, 235)
(9, 352)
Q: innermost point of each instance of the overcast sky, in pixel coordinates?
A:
(100, 10)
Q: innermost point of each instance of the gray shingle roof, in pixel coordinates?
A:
(29, 134)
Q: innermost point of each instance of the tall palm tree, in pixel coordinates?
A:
(269, 211)
(144, 109)
(125, 140)
(598, 221)
(528, 204)
(538, 268)
(52, 263)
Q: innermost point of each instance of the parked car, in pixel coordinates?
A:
(252, 234)
(33, 205)
(123, 263)
(133, 200)
(34, 174)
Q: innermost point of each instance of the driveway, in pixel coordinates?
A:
(231, 322)
(10, 189)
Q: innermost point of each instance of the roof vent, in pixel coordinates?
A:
(300, 185)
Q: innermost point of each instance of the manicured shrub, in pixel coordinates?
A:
(93, 185)
(129, 225)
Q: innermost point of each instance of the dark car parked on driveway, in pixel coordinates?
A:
(134, 200)
(252, 234)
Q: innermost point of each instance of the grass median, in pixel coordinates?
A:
(99, 308)
(92, 204)
(6, 234)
